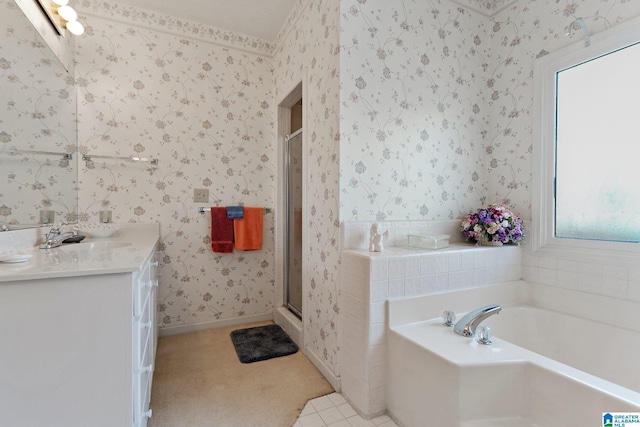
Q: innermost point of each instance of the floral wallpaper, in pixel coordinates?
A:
(485, 7)
(37, 126)
(204, 110)
(203, 104)
(413, 116)
(520, 34)
(436, 101)
(308, 51)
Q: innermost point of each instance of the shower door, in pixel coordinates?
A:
(293, 238)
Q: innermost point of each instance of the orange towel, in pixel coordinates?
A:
(221, 230)
(248, 230)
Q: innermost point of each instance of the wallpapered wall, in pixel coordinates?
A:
(308, 51)
(38, 117)
(201, 103)
(520, 34)
(436, 100)
(413, 114)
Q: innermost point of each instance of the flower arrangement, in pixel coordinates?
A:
(495, 225)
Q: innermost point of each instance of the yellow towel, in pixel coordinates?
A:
(248, 230)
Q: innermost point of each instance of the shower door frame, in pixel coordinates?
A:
(287, 221)
(282, 315)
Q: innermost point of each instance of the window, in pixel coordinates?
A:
(587, 181)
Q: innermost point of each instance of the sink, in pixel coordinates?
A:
(87, 246)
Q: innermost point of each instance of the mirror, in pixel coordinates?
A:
(38, 162)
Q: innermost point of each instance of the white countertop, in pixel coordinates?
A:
(125, 251)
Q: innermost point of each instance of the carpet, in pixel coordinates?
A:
(262, 343)
(198, 381)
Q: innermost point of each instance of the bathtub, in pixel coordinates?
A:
(559, 358)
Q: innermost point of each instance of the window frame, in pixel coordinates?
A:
(543, 240)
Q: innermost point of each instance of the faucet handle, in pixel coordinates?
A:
(483, 335)
(58, 225)
(55, 229)
(449, 317)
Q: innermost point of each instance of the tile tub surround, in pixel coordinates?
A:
(369, 279)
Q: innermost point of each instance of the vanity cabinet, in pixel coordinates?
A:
(145, 339)
(79, 350)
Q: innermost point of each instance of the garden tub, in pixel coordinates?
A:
(558, 358)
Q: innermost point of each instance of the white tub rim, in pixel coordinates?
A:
(598, 308)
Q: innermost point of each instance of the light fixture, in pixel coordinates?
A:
(67, 13)
(69, 17)
(62, 16)
(75, 28)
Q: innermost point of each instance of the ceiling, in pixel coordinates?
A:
(257, 18)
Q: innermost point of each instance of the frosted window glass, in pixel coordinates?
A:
(598, 148)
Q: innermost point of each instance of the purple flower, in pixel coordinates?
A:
(495, 223)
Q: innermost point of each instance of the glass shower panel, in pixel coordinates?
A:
(294, 225)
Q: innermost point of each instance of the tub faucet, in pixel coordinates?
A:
(468, 324)
(55, 237)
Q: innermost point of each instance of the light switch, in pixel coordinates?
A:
(201, 195)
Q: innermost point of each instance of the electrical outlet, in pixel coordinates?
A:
(201, 195)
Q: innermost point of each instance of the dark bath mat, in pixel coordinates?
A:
(262, 343)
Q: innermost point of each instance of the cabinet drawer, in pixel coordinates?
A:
(141, 397)
(143, 372)
(142, 330)
(142, 283)
(141, 295)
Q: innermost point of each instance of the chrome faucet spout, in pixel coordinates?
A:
(468, 324)
(55, 237)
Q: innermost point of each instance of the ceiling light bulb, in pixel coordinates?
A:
(60, 2)
(67, 13)
(75, 28)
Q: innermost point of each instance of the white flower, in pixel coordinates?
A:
(493, 227)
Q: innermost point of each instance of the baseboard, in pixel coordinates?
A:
(194, 327)
(333, 379)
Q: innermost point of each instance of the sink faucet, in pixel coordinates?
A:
(55, 237)
(468, 324)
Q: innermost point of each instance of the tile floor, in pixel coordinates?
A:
(333, 410)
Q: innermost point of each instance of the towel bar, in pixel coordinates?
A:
(203, 210)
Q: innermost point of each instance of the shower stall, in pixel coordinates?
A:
(290, 232)
(293, 223)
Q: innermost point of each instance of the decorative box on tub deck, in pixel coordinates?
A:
(432, 241)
